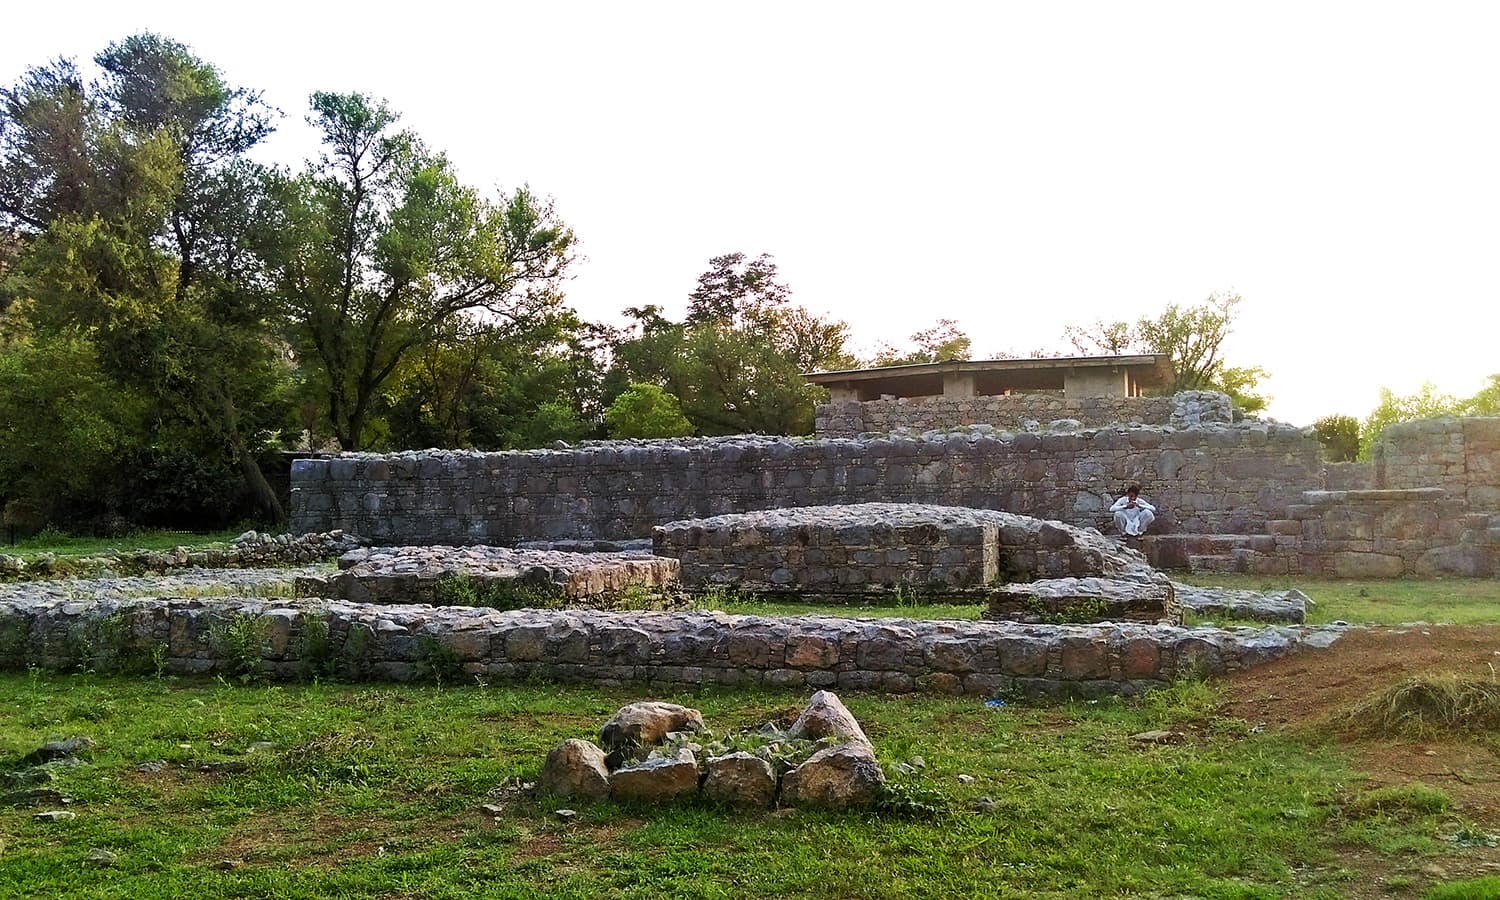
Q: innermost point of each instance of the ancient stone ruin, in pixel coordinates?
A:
(653, 752)
(435, 574)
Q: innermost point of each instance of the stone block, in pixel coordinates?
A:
(1348, 564)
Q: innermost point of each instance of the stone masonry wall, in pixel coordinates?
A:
(1461, 455)
(1214, 478)
(406, 642)
(850, 419)
(1384, 534)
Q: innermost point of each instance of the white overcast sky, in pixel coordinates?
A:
(1017, 167)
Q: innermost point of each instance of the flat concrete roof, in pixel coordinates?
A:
(1149, 369)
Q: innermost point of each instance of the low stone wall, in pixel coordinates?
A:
(421, 574)
(854, 418)
(1214, 479)
(301, 638)
(1461, 455)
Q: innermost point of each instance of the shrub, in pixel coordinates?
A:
(646, 411)
(238, 641)
(1339, 436)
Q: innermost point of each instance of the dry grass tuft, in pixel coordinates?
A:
(1426, 705)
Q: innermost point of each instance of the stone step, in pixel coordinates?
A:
(1174, 551)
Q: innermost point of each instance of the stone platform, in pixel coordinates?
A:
(420, 574)
(877, 547)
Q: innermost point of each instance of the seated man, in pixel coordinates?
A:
(1133, 515)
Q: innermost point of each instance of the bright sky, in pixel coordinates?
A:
(1017, 167)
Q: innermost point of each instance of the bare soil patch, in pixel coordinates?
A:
(1306, 689)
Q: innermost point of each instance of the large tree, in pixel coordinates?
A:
(736, 362)
(1192, 337)
(133, 200)
(381, 250)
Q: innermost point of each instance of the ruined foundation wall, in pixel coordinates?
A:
(402, 643)
(851, 418)
(1461, 455)
(1215, 478)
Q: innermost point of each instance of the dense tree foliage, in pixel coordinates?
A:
(735, 362)
(1339, 436)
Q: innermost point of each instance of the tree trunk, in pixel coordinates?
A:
(260, 490)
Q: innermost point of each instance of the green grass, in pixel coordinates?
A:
(1459, 601)
(72, 546)
(1478, 889)
(375, 792)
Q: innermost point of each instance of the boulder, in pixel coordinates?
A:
(646, 724)
(827, 717)
(575, 768)
(740, 779)
(656, 779)
(843, 777)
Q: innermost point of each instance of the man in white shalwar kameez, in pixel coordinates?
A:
(1133, 515)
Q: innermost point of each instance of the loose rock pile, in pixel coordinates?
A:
(431, 575)
(250, 550)
(660, 752)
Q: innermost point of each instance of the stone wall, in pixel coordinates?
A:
(1215, 478)
(1349, 476)
(1383, 534)
(670, 649)
(933, 550)
(1461, 455)
(853, 418)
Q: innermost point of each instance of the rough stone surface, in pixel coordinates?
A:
(740, 779)
(575, 768)
(1143, 596)
(843, 777)
(850, 419)
(826, 716)
(40, 627)
(1211, 478)
(657, 779)
(1261, 606)
(418, 574)
(876, 547)
(647, 724)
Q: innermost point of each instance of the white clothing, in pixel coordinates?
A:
(1133, 520)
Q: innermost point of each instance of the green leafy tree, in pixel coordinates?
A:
(380, 249)
(646, 411)
(133, 199)
(1192, 337)
(1487, 401)
(1339, 436)
(943, 341)
(1427, 403)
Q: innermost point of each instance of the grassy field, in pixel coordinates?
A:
(357, 791)
(68, 546)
